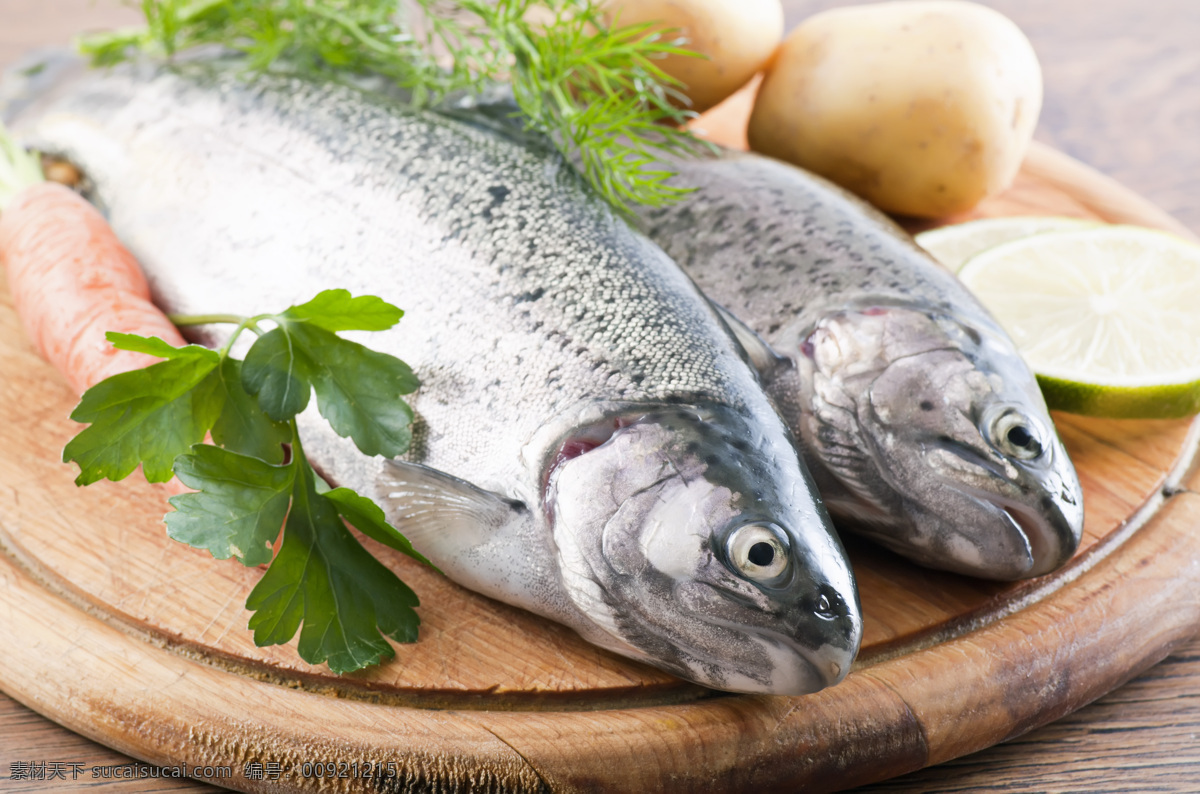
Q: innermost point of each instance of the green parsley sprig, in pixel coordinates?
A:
(247, 484)
(596, 91)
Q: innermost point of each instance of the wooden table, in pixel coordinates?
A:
(1122, 94)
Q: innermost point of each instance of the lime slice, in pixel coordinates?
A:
(1108, 318)
(954, 245)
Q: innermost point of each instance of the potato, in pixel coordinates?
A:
(922, 108)
(737, 36)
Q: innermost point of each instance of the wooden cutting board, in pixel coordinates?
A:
(111, 629)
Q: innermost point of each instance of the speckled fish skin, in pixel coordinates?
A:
(613, 463)
(922, 425)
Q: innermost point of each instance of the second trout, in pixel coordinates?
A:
(924, 428)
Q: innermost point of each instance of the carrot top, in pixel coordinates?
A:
(18, 168)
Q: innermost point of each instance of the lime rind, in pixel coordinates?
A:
(1171, 401)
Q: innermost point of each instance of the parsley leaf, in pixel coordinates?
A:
(367, 518)
(357, 389)
(336, 310)
(279, 374)
(153, 346)
(238, 508)
(242, 425)
(146, 416)
(324, 579)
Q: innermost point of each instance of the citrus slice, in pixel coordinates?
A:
(954, 245)
(1108, 318)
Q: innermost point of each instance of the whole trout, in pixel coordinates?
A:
(920, 422)
(589, 443)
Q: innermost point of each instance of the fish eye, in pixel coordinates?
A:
(759, 552)
(1016, 435)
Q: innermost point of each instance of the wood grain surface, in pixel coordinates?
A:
(1077, 753)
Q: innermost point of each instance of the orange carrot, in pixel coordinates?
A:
(72, 280)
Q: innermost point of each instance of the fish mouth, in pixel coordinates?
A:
(1023, 540)
(798, 669)
(840, 632)
(826, 636)
(812, 646)
(1050, 535)
(824, 670)
(1036, 517)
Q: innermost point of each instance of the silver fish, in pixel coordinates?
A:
(920, 422)
(589, 443)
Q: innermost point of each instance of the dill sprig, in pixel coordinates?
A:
(596, 91)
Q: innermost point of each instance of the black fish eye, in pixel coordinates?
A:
(1020, 436)
(761, 554)
(1017, 436)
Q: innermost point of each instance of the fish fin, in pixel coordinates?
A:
(480, 539)
(426, 504)
(759, 354)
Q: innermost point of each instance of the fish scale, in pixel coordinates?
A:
(560, 354)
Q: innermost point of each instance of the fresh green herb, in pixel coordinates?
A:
(247, 487)
(596, 91)
(146, 417)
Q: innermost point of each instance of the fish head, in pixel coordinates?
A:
(955, 461)
(704, 552)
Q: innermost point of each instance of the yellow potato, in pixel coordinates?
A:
(737, 36)
(923, 108)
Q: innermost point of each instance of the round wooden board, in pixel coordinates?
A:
(111, 629)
